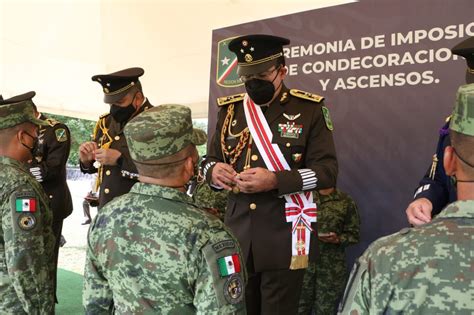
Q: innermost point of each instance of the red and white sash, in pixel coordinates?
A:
(300, 209)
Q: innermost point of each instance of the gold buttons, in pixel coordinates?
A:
(229, 147)
(106, 190)
(288, 144)
(234, 122)
(107, 172)
(50, 196)
(252, 206)
(254, 157)
(117, 138)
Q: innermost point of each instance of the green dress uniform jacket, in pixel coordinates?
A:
(49, 166)
(26, 243)
(420, 270)
(258, 220)
(151, 251)
(115, 180)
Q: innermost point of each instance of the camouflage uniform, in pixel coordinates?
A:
(151, 251)
(26, 238)
(215, 201)
(325, 280)
(421, 270)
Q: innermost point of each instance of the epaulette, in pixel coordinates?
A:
(52, 122)
(448, 118)
(104, 115)
(307, 96)
(221, 101)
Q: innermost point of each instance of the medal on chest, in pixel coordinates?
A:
(290, 130)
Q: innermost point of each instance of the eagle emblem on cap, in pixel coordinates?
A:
(248, 58)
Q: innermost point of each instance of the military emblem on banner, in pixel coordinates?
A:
(226, 74)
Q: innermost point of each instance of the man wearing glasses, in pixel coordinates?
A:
(272, 147)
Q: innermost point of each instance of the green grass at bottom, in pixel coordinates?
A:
(69, 293)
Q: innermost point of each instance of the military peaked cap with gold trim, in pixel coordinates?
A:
(466, 50)
(117, 84)
(257, 53)
(221, 101)
(307, 96)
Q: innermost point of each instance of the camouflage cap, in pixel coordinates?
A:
(160, 132)
(462, 120)
(17, 110)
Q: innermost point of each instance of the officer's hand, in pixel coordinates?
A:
(107, 156)
(86, 152)
(331, 237)
(223, 175)
(256, 180)
(419, 211)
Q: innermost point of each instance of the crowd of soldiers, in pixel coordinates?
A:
(242, 238)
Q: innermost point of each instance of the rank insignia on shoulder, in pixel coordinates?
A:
(327, 118)
(104, 115)
(307, 96)
(52, 122)
(221, 101)
(228, 265)
(61, 134)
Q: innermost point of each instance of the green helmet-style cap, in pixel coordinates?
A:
(462, 120)
(18, 109)
(160, 132)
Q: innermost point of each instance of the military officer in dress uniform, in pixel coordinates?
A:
(436, 189)
(48, 166)
(26, 237)
(107, 154)
(271, 147)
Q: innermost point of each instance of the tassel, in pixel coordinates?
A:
(299, 262)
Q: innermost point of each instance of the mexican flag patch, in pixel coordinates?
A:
(25, 205)
(228, 265)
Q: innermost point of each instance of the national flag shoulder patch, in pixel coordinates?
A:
(228, 265)
(25, 204)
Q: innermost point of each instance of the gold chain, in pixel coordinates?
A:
(243, 136)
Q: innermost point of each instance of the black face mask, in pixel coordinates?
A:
(260, 91)
(34, 148)
(122, 114)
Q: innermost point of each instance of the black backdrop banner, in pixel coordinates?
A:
(389, 80)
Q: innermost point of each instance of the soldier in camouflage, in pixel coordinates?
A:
(427, 269)
(338, 227)
(151, 251)
(26, 237)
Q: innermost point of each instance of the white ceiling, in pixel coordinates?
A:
(54, 47)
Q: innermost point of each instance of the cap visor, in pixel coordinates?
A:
(199, 137)
(38, 122)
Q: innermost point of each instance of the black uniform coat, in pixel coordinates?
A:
(116, 179)
(258, 220)
(49, 166)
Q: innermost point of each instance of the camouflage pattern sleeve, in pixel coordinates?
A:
(28, 253)
(357, 294)
(351, 230)
(96, 295)
(221, 278)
